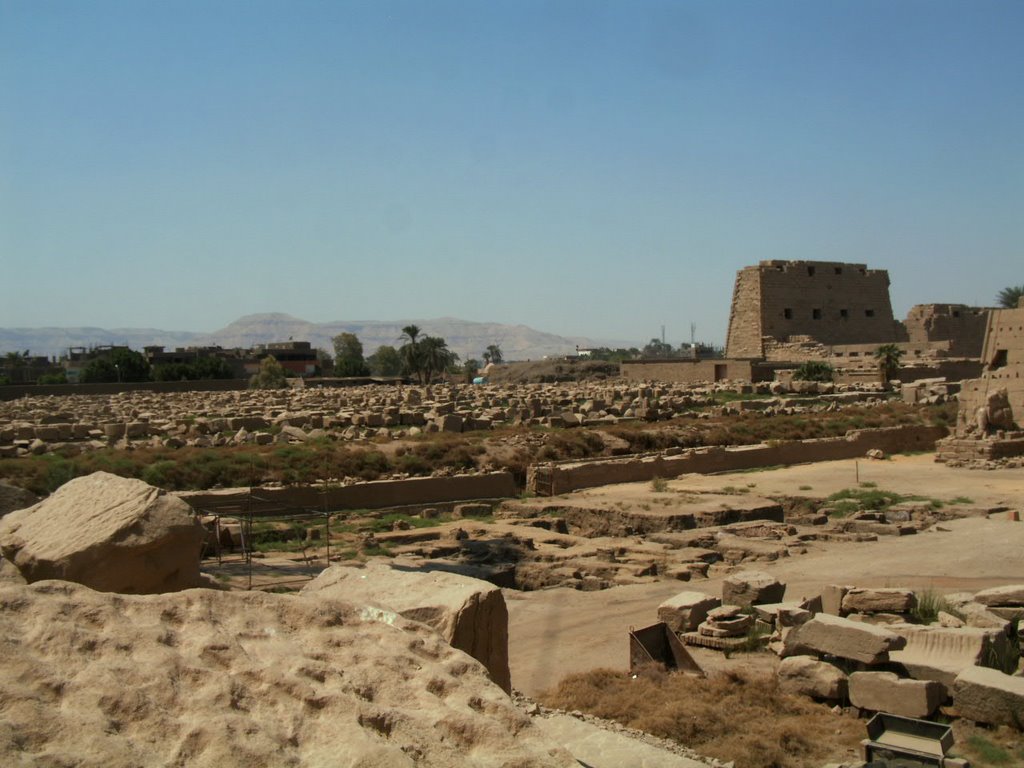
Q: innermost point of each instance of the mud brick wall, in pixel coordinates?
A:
(830, 302)
(554, 479)
(692, 371)
(214, 385)
(381, 494)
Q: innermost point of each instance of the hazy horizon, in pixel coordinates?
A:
(585, 169)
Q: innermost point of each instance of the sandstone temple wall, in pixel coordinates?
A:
(963, 327)
(378, 494)
(1003, 360)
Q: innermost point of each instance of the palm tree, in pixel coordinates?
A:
(888, 357)
(493, 354)
(410, 351)
(1009, 297)
(435, 357)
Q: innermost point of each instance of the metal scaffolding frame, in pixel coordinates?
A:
(248, 508)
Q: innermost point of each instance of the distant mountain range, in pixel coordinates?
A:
(467, 338)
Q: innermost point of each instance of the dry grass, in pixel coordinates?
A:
(730, 715)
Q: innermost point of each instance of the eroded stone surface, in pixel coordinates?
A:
(469, 613)
(208, 678)
(807, 676)
(989, 696)
(887, 692)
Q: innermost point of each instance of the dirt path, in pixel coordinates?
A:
(555, 632)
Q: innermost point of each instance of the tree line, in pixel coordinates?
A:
(419, 356)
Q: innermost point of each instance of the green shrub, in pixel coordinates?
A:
(814, 370)
(929, 603)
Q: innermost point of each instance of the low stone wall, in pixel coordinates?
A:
(13, 392)
(377, 494)
(556, 478)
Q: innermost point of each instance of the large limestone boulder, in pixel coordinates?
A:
(807, 676)
(843, 638)
(887, 692)
(687, 610)
(110, 533)
(748, 588)
(469, 613)
(989, 696)
(216, 679)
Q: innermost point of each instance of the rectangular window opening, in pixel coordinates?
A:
(810, 271)
(844, 313)
(869, 313)
(787, 313)
(816, 314)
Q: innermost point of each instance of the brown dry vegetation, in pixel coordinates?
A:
(736, 716)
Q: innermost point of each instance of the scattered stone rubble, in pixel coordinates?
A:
(41, 424)
(872, 655)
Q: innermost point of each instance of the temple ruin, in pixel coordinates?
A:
(992, 406)
(831, 303)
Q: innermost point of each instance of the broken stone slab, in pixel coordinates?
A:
(846, 639)
(469, 613)
(723, 612)
(735, 627)
(782, 614)
(887, 600)
(111, 533)
(686, 611)
(941, 653)
(832, 599)
(888, 692)
(989, 696)
(976, 614)
(748, 588)
(1009, 596)
(808, 676)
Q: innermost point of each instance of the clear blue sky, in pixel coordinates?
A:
(583, 167)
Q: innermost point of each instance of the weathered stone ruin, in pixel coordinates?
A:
(988, 427)
(829, 302)
(866, 647)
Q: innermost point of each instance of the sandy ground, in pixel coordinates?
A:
(558, 631)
